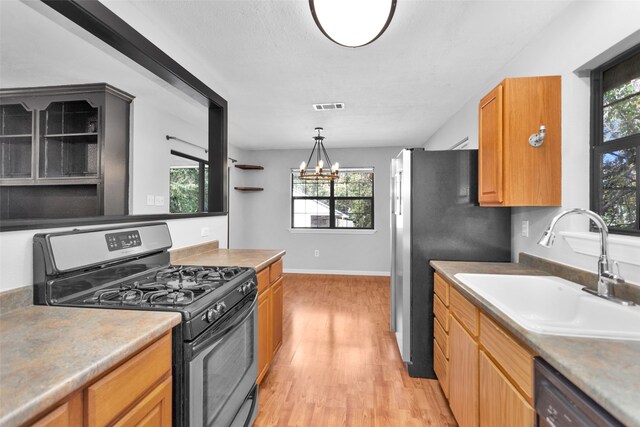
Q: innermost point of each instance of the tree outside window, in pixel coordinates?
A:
(346, 203)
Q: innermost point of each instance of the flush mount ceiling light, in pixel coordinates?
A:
(352, 23)
(324, 170)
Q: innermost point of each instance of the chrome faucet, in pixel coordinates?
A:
(606, 278)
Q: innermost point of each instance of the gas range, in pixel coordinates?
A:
(214, 349)
(134, 274)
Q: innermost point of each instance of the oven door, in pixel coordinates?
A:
(222, 368)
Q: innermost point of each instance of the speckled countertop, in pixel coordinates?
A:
(255, 258)
(607, 370)
(46, 353)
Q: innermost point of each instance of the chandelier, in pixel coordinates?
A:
(324, 170)
(352, 23)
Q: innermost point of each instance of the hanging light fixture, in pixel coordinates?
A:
(324, 170)
(352, 23)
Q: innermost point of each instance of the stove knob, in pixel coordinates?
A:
(218, 309)
(210, 315)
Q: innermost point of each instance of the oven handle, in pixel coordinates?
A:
(212, 338)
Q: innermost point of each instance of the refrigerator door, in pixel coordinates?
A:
(401, 252)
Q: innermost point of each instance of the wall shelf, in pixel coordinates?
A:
(249, 188)
(250, 167)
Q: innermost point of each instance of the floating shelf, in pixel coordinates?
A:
(254, 167)
(249, 188)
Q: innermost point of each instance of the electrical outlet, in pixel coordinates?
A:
(204, 231)
(316, 252)
(151, 200)
(159, 200)
(525, 228)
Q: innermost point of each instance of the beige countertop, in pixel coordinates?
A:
(46, 353)
(255, 258)
(607, 370)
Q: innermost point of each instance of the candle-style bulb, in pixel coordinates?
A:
(303, 166)
(337, 165)
(320, 164)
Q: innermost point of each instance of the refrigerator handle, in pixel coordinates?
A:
(397, 205)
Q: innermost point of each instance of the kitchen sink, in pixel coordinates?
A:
(551, 305)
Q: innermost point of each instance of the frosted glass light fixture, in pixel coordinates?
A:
(352, 23)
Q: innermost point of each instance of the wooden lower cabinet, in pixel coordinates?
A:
(264, 333)
(463, 375)
(276, 316)
(67, 414)
(136, 393)
(500, 401)
(270, 315)
(488, 375)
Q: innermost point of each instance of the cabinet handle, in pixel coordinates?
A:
(537, 139)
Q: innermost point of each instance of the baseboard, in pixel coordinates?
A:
(338, 272)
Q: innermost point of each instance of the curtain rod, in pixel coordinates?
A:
(169, 137)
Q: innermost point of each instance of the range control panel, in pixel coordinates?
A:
(123, 240)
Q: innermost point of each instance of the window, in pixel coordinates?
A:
(188, 184)
(346, 203)
(615, 142)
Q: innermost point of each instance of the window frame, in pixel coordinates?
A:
(598, 146)
(201, 181)
(332, 198)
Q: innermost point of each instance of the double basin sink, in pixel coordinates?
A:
(551, 305)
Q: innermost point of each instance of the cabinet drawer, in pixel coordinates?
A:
(441, 368)
(441, 337)
(441, 288)
(440, 312)
(111, 395)
(275, 271)
(464, 310)
(515, 359)
(263, 280)
(68, 414)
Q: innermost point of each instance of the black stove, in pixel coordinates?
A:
(130, 270)
(214, 349)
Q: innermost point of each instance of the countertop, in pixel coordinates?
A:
(255, 258)
(607, 370)
(46, 353)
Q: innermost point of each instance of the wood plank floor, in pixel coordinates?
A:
(339, 364)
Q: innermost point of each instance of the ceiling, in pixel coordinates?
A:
(271, 63)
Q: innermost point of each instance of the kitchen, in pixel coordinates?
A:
(555, 39)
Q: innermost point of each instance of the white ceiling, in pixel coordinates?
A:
(271, 63)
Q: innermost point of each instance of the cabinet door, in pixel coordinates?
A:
(463, 375)
(490, 148)
(264, 333)
(276, 316)
(68, 414)
(500, 402)
(154, 410)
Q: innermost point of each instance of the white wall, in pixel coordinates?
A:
(16, 253)
(582, 32)
(262, 219)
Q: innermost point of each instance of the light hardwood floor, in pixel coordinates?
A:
(339, 364)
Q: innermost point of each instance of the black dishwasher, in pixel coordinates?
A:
(559, 403)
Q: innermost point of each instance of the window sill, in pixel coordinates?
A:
(624, 249)
(330, 231)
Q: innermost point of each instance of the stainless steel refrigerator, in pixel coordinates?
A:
(435, 216)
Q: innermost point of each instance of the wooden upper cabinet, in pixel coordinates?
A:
(490, 156)
(512, 172)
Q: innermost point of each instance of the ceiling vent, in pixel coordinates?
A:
(329, 106)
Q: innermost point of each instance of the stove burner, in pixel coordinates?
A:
(173, 285)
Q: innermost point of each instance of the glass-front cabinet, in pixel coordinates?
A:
(64, 152)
